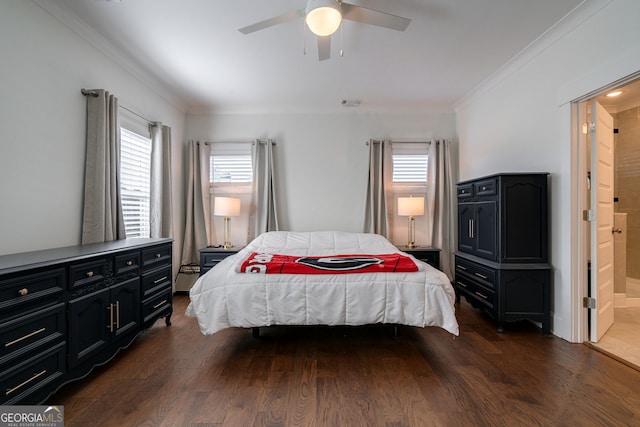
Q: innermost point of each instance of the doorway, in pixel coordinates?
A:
(622, 339)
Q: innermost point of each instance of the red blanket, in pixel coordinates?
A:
(333, 264)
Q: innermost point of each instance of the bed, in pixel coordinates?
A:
(371, 284)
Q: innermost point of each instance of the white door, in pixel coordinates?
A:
(602, 227)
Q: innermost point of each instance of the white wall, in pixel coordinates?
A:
(520, 120)
(322, 159)
(42, 126)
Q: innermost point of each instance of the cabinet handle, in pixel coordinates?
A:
(481, 295)
(117, 315)
(462, 284)
(160, 304)
(158, 255)
(473, 229)
(22, 292)
(482, 276)
(129, 263)
(89, 273)
(110, 327)
(22, 384)
(10, 343)
(162, 279)
(461, 267)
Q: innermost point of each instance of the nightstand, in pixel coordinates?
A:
(426, 254)
(210, 256)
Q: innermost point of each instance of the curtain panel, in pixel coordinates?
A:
(161, 211)
(376, 217)
(198, 212)
(102, 217)
(441, 203)
(263, 215)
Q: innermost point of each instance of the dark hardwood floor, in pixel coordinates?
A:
(342, 376)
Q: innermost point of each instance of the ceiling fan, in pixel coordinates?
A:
(323, 17)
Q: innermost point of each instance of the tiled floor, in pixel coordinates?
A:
(622, 340)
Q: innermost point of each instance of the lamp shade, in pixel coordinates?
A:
(226, 206)
(410, 206)
(323, 17)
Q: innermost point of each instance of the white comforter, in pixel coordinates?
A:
(224, 297)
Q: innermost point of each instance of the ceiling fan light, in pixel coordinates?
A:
(323, 17)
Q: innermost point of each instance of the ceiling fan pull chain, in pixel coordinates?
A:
(304, 37)
(341, 51)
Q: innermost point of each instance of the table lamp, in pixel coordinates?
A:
(226, 207)
(411, 207)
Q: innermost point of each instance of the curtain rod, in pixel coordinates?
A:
(260, 141)
(94, 94)
(378, 141)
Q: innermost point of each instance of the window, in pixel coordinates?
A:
(135, 184)
(410, 167)
(230, 168)
(230, 164)
(410, 163)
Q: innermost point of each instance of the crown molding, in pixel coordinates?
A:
(125, 61)
(559, 30)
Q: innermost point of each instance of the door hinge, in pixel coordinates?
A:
(588, 128)
(589, 302)
(588, 215)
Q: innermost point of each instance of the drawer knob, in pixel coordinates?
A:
(22, 292)
(158, 255)
(129, 263)
(89, 273)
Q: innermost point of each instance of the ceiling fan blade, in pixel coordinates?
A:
(373, 17)
(324, 47)
(276, 20)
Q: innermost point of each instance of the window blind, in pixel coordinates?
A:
(236, 168)
(410, 167)
(135, 184)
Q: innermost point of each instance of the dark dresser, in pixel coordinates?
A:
(64, 311)
(502, 262)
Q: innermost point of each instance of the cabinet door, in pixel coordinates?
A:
(88, 326)
(125, 300)
(465, 226)
(485, 230)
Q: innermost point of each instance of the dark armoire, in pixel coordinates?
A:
(502, 261)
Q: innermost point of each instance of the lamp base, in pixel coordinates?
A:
(412, 233)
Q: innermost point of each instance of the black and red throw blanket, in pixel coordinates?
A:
(332, 264)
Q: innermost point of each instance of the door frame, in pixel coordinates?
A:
(581, 229)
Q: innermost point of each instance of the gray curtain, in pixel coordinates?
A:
(264, 210)
(441, 203)
(198, 212)
(161, 210)
(102, 217)
(376, 219)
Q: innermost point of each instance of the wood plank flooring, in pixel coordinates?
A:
(341, 376)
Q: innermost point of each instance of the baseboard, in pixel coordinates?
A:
(621, 301)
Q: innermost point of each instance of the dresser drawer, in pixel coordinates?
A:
(156, 306)
(89, 273)
(465, 191)
(476, 291)
(486, 188)
(156, 280)
(127, 264)
(30, 292)
(20, 380)
(30, 332)
(155, 257)
(486, 276)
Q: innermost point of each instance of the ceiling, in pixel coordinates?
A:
(192, 52)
